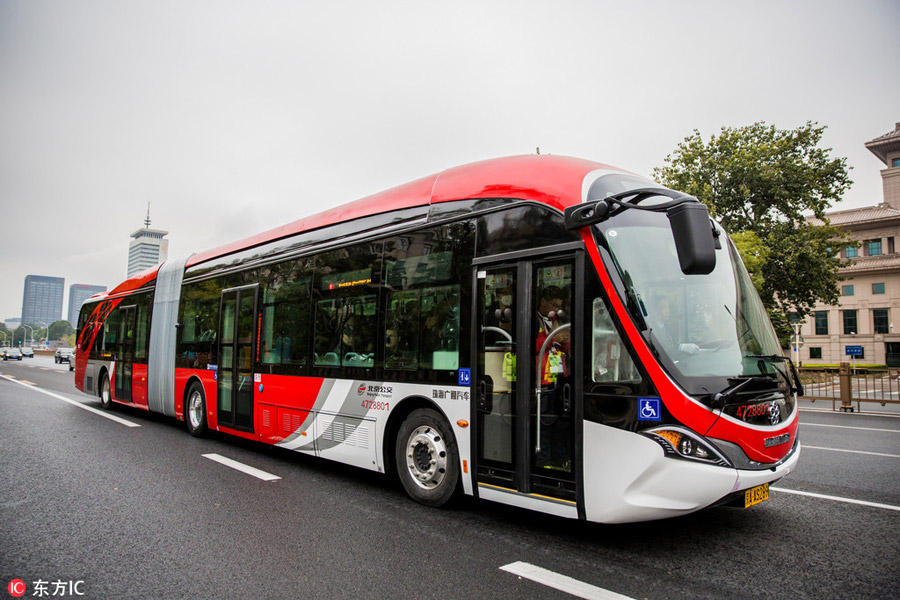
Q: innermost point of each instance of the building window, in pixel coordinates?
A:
(890, 243)
(847, 290)
(874, 247)
(851, 252)
(821, 322)
(896, 162)
(815, 353)
(880, 319)
(878, 288)
(849, 322)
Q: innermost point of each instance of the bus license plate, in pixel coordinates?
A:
(756, 495)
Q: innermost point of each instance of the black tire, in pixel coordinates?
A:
(71, 366)
(105, 393)
(195, 410)
(427, 458)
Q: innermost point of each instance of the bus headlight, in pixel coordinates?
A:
(678, 442)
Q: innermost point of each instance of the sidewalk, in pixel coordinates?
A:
(867, 407)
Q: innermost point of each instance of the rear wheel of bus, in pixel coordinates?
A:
(105, 395)
(427, 458)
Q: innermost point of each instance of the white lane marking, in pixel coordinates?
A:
(241, 467)
(853, 451)
(837, 498)
(74, 403)
(561, 582)
(26, 382)
(849, 427)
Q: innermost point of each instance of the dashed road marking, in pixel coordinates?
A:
(805, 447)
(258, 473)
(837, 498)
(563, 583)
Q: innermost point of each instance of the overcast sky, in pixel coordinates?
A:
(233, 117)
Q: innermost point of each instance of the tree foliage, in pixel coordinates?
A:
(760, 182)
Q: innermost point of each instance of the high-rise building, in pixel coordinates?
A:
(42, 299)
(148, 248)
(78, 293)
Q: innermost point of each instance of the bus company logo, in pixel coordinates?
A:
(16, 588)
(374, 391)
(774, 414)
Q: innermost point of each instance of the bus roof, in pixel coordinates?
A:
(552, 180)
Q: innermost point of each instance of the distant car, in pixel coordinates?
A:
(63, 355)
(12, 354)
(27, 352)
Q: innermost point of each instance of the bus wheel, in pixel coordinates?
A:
(105, 396)
(195, 415)
(427, 458)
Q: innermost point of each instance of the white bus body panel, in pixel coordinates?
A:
(627, 478)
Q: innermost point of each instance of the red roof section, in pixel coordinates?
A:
(553, 180)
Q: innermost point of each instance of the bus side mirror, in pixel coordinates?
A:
(694, 237)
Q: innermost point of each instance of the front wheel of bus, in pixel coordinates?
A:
(427, 458)
(195, 411)
(105, 397)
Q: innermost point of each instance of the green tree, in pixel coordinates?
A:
(60, 329)
(760, 182)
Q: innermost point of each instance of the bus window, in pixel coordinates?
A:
(110, 329)
(610, 361)
(346, 313)
(401, 336)
(285, 314)
(198, 320)
(142, 340)
(440, 331)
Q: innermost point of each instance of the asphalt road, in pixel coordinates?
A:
(139, 512)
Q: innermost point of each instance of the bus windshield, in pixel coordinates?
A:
(705, 328)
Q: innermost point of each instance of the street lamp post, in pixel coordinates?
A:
(48, 330)
(32, 333)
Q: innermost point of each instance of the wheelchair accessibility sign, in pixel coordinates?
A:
(649, 409)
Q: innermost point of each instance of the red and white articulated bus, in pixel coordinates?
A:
(545, 332)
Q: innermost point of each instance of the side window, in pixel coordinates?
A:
(422, 316)
(285, 319)
(142, 326)
(346, 307)
(198, 318)
(610, 361)
(520, 228)
(110, 332)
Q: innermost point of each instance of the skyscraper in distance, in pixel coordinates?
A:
(42, 299)
(148, 248)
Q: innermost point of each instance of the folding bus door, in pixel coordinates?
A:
(237, 344)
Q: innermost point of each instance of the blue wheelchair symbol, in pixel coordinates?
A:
(649, 409)
(465, 377)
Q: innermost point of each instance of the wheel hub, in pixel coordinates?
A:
(426, 457)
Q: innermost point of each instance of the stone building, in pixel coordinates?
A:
(870, 292)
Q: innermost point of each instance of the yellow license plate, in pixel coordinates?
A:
(756, 495)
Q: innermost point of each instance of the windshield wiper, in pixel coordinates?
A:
(720, 400)
(798, 388)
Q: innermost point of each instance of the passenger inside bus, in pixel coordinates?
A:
(552, 314)
(665, 330)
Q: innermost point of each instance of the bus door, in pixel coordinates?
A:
(124, 353)
(237, 344)
(525, 387)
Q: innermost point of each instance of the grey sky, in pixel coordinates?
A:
(232, 117)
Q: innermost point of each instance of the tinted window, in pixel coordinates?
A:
(198, 319)
(285, 313)
(520, 228)
(346, 306)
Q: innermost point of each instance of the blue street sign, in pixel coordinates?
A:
(853, 350)
(465, 377)
(648, 409)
